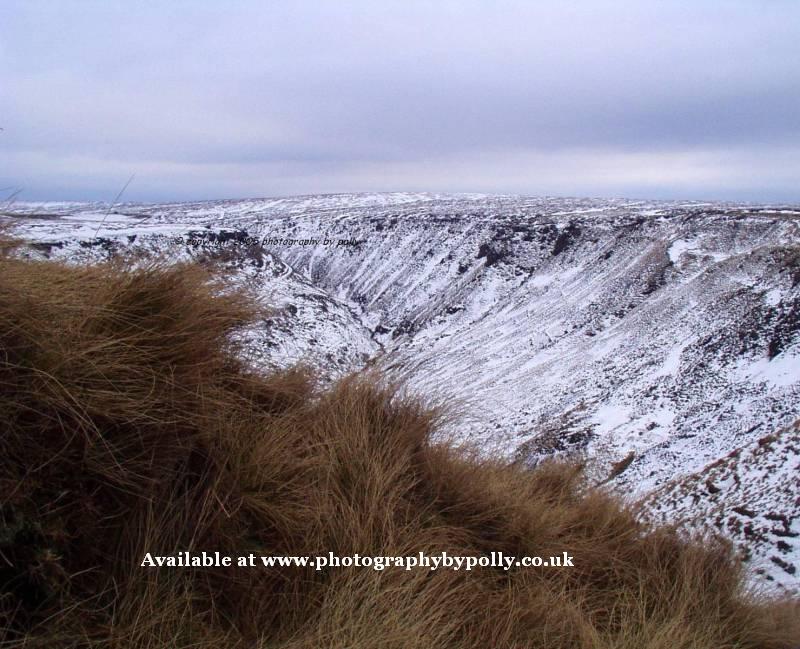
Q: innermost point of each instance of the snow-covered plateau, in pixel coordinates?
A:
(661, 340)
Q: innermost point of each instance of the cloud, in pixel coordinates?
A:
(739, 174)
(562, 97)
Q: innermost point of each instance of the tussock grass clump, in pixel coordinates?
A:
(129, 426)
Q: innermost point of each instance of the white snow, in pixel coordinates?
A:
(604, 337)
(779, 372)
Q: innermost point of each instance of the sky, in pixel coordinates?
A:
(202, 99)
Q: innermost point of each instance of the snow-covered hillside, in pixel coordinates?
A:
(660, 339)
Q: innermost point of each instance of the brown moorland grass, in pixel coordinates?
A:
(129, 426)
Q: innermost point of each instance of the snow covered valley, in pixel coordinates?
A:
(659, 340)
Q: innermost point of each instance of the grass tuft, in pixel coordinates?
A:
(129, 426)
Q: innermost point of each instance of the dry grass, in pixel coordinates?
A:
(128, 426)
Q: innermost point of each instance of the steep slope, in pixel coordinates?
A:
(656, 338)
(152, 489)
(750, 496)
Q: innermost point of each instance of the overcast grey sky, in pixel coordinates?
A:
(239, 98)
